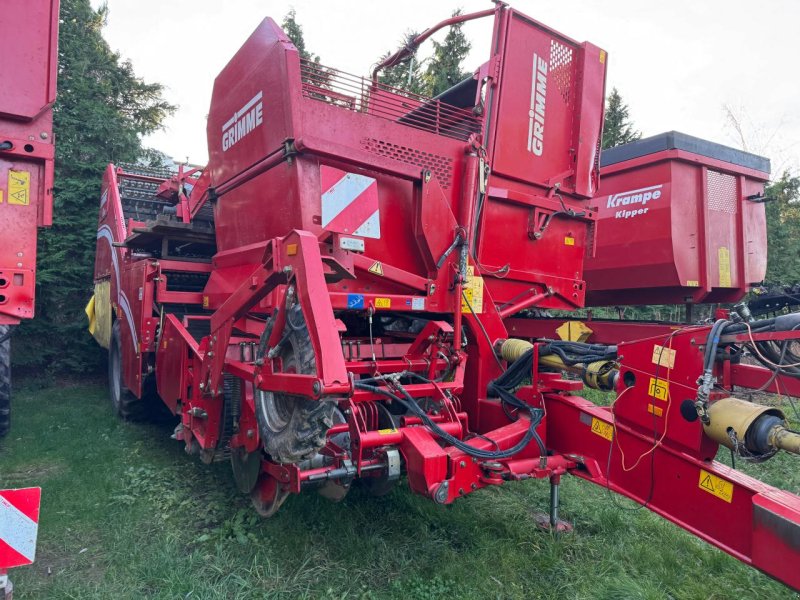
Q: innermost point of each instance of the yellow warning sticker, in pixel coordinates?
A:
(603, 429)
(716, 485)
(663, 357)
(205, 301)
(655, 410)
(386, 431)
(724, 266)
(602, 57)
(19, 187)
(659, 389)
(473, 290)
(569, 241)
(692, 283)
(376, 268)
(383, 303)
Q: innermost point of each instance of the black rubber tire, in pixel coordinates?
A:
(294, 428)
(124, 402)
(5, 381)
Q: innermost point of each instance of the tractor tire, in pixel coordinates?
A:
(5, 379)
(293, 428)
(124, 402)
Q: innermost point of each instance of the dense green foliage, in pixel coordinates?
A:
(126, 513)
(783, 230)
(441, 71)
(101, 113)
(618, 127)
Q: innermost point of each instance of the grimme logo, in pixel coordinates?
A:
(536, 113)
(243, 121)
(641, 196)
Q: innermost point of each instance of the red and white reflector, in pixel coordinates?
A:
(19, 524)
(349, 203)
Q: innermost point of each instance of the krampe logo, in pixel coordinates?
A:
(243, 121)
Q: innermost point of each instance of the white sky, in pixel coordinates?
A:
(676, 63)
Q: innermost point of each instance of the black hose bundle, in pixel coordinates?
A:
(573, 353)
(502, 387)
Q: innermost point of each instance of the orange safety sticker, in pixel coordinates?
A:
(603, 429)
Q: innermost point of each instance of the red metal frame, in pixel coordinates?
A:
(29, 49)
(477, 216)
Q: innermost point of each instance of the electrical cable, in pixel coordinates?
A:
(657, 441)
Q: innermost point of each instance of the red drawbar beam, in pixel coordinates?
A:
(748, 519)
(752, 377)
(603, 331)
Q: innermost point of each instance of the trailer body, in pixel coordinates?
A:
(680, 220)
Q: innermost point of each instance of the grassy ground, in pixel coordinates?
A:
(126, 514)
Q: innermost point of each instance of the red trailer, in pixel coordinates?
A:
(28, 59)
(330, 301)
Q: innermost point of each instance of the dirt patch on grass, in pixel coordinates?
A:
(34, 473)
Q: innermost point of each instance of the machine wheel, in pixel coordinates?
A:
(293, 428)
(246, 467)
(5, 379)
(268, 495)
(125, 402)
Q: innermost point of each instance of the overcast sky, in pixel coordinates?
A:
(677, 63)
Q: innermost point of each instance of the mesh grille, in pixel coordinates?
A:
(721, 191)
(440, 166)
(561, 68)
(357, 94)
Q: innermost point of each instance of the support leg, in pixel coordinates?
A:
(551, 521)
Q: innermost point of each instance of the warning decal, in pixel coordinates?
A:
(473, 290)
(724, 266)
(716, 485)
(659, 389)
(663, 357)
(376, 268)
(603, 429)
(19, 187)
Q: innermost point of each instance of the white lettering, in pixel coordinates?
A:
(243, 121)
(536, 114)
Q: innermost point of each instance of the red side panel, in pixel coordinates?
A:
(28, 58)
(550, 108)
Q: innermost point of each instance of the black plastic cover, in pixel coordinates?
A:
(674, 140)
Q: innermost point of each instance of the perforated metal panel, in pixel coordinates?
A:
(721, 191)
(440, 166)
(561, 68)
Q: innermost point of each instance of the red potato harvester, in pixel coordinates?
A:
(346, 292)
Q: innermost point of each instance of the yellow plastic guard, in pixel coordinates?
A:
(98, 311)
(574, 331)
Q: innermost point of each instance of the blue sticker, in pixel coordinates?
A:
(355, 301)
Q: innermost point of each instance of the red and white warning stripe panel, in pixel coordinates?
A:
(19, 524)
(349, 203)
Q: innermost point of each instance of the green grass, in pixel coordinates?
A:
(127, 514)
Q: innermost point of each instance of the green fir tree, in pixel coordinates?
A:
(102, 111)
(618, 127)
